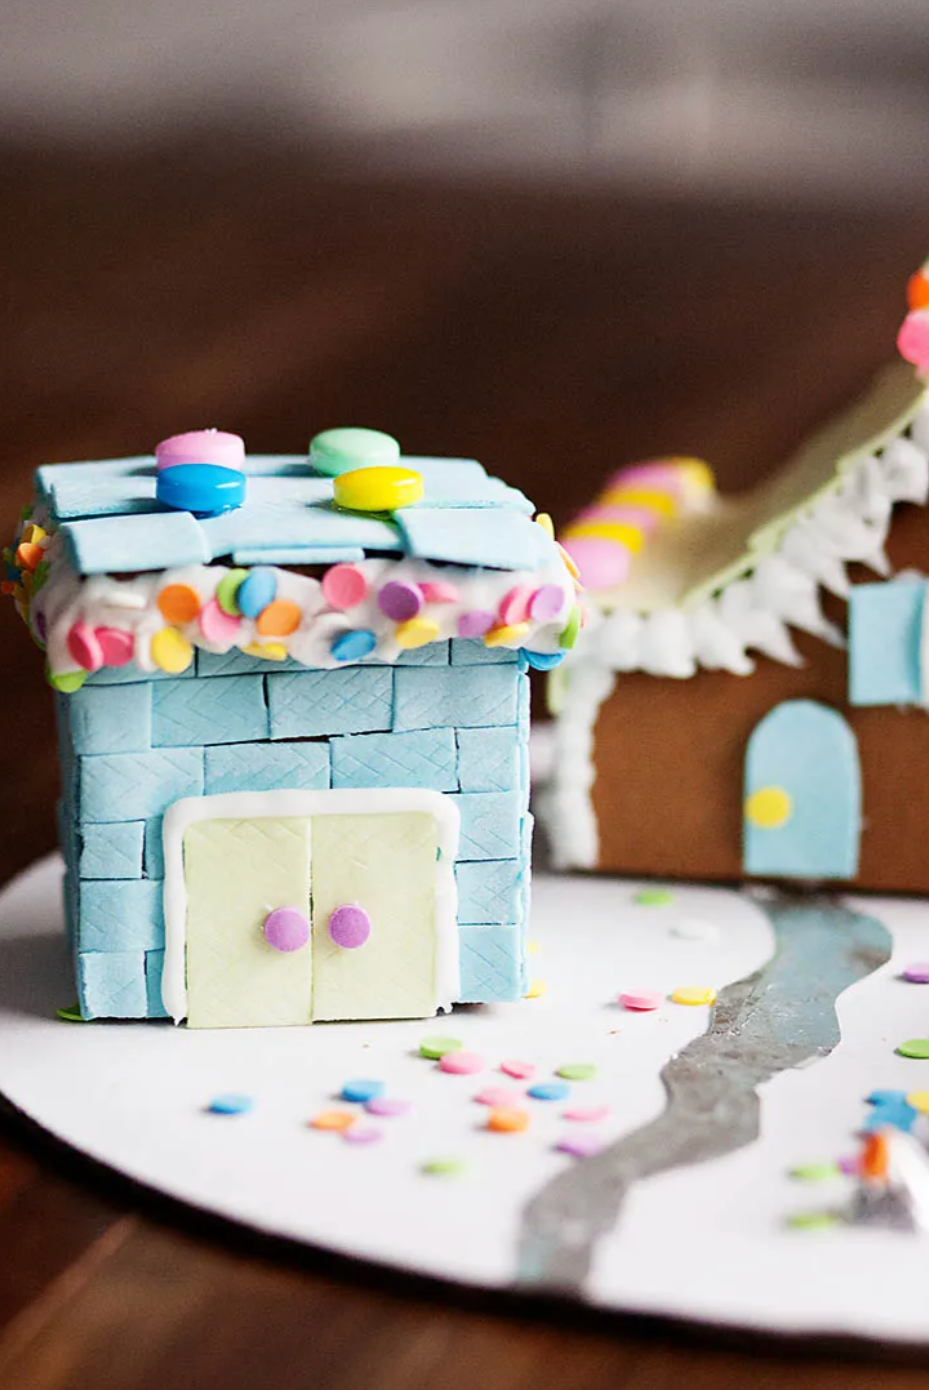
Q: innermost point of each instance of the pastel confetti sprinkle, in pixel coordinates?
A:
(917, 974)
(586, 1114)
(506, 1120)
(812, 1220)
(279, 619)
(344, 586)
(217, 625)
(461, 1063)
(475, 623)
(353, 646)
(435, 1047)
(580, 1145)
(694, 994)
(178, 604)
(171, 651)
(653, 897)
(230, 1103)
(914, 1047)
(362, 1134)
(815, 1172)
(71, 1013)
(400, 601)
(577, 1071)
(388, 1106)
(641, 1000)
(444, 1167)
(520, 1071)
(335, 1120)
(439, 591)
(500, 1097)
(549, 1090)
(362, 1090)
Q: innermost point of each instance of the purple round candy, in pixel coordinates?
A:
(580, 1145)
(918, 973)
(387, 1105)
(286, 929)
(361, 1134)
(350, 926)
(400, 601)
(547, 603)
(475, 623)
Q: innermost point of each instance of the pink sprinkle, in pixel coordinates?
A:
(587, 1114)
(602, 563)
(343, 586)
(461, 1063)
(84, 647)
(547, 603)
(385, 1105)
(579, 1145)
(438, 591)
(498, 1097)
(514, 606)
(115, 645)
(913, 339)
(359, 1134)
(918, 973)
(641, 1000)
(521, 1071)
(850, 1165)
(475, 623)
(217, 626)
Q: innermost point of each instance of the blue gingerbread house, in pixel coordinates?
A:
(293, 707)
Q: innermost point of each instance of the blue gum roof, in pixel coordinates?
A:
(111, 522)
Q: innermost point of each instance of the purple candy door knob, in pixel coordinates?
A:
(286, 929)
(350, 926)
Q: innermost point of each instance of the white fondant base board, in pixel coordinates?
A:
(708, 1242)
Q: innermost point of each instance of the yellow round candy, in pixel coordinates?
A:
(416, 632)
(503, 635)
(694, 994)
(270, 651)
(536, 989)
(171, 651)
(661, 502)
(769, 808)
(377, 489)
(629, 536)
(919, 1101)
(544, 520)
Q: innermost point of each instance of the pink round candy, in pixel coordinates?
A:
(438, 591)
(520, 1071)
(641, 1000)
(514, 606)
(286, 929)
(217, 625)
(913, 339)
(349, 926)
(362, 1134)
(547, 604)
(461, 1063)
(580, 1145)
(201, 446)
(115, 645)
(475, 623)
(658, 473)
(602, 563)
(400, 601)
(344, 586)
(388, 1106)
(643, 519)
(498, 1096)
(917, 973)
(84, 647)
(587, 1114)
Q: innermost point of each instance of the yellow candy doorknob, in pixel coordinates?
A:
(379, 489)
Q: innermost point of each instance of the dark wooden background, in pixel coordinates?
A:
(552, 332)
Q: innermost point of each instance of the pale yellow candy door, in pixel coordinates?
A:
(385, 866)
(240, 972)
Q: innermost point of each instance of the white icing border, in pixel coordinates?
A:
(341, 801)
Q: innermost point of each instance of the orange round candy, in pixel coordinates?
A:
(506, 1119)
(333, 1119)
(28, 555)
(917, 290)
(279, 619)
(179, 604)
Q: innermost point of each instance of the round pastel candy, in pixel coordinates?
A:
(362, 1134)
(349, 926)
(217, 625)
(178, 604)
(400, 601)
(377, 489)
(344, 450)
(461, 1063)
(520, 1071)
(917, 973)
(641, 518)
(548, 603)
(227, 591)
(514, 606)
(602, 564)
(416, 632)
(115, 645)
(353, 646)
(230, 1103)
(436, 1046)
(580, 1145)
(388, 1106)
(641, 1000)
(344, 586)
(475, 623)
(543, 661)
(201, 446)
(568, 635)
(362, 1090)
(171, 651)
(596, 528)
(66, 682)
(256, 591)
(439, 591)
(917, 289)
(201, 488)
(913, 339)
(549, 1090)
(84, 647)
(497, 1096)
(286, 929)
(279, 619)
(504, 636)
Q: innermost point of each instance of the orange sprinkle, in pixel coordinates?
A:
(179, 604)
(333, 1119)
(507, 1120)
(875, 1159)
(917, 291)
(28, 555)
(8, 586)
(279, 619)
(570, 566)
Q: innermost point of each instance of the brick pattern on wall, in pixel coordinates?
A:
(453, 717)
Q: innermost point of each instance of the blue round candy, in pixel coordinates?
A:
(202, 488)
(543, 661)
(352, 646)
(230, 1103)
(549, 1090)
(256, 592)
(362, 1090)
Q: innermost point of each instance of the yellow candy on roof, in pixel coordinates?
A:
(380, 489)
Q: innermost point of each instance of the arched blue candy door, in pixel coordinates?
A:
(802, 807)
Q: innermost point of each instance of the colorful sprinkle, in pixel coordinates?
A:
(349, 926)
(641, 1000)
(286, 929)
(917, 974)
(70, 1014)
(279, 619)
(913, 339)
(344, 450)
(544, 520)
(362, 1090)
(520, 1071)
(694, 994)
(66, 681)
(416, 632)
(513, 608)
(543, 661)
(115, 645)
(379, 489)
(178, 604)
(257, 591)
(507, 1120)
(461, 1063)
(549, 1090)
(388, 1106)
(218, 625)
(536, 989)
(914, 1047)
(336, 1120)
(577, 1071)
(601, 564)
(230, 1103)
(580, 1145)
(84, 647)
(400, 601)
(919, 1100)
(436, 1047)
(443, 1167)
(267, 651)
(362, 1134)
(353, 646)
(475, 623)
(812, 1220)
(439, 591)
(507, 636)
(498, 1096)
(568, 635)
(28, 556)
(586, 1114)
(344, 586)
(653, 897)
(227, 589)
(547, 604)
(815, 1172)
(171, 651)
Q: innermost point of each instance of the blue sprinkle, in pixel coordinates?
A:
(202, 488)
(887, 1098)
(352, 646)
(899, 1115)
(549, 1090)
(256, 591)
(362, 1090)
(543, 661)
(229, 1103)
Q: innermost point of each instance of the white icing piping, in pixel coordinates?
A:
(565, 805)
(255, 805)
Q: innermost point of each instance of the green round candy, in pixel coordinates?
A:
(812, 1220)
(815, 1172)
(343, 450)
(577, 1071)
(71, 1014)
(914, 1047)
(436, 1047)
(226, 591)
(68, 681)
(444, 1167)
(568, 636)
(654, 897)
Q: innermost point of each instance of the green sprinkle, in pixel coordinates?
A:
(67, 682)
(654, 897)
(812, 1220)
(71, 1014)
(444, 1167)
(577, 1071)
(26, 512)
(39, 577)
(815, 1172)
(914, 1047)
(568, 635)
(436, 1047)
(226, 591)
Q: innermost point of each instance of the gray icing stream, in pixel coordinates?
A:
(776, 1018)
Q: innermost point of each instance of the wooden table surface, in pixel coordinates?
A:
(552, 332)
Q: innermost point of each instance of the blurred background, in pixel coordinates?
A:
(554, 234)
